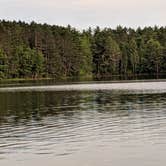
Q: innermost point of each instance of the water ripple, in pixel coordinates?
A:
(63, 124)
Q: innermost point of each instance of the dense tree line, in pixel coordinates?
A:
(40, 50)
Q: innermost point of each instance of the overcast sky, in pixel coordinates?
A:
(85, 13)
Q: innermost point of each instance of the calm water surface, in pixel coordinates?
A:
(83, 125)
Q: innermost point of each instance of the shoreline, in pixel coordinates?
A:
(137, 77)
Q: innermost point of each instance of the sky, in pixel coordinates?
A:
(87, 13)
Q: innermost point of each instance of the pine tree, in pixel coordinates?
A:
(86, 64)
(3, 65)
(133, 55)
(154, 56)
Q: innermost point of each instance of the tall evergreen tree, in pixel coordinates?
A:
(86, 64)
(133, 55)
(3, 65)
(112, 56)
(153, 56)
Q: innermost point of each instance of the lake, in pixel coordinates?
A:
(83, 124)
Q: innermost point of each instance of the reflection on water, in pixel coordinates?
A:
(129, 87)
(82, 128)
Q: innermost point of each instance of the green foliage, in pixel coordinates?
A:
(24, 55)
(86, 64)
(37, 66)
(27, 62)
(106, 54)
(41, 50)
(124, 58)
(3, 65)
(133, 56)
(112, 55)
(153, 56)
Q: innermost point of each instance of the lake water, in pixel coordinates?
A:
(96, 124)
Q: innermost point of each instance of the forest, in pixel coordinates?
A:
(32, 50)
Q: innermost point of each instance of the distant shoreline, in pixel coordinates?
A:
(112, 78)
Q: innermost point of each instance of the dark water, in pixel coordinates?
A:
(102, 125)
